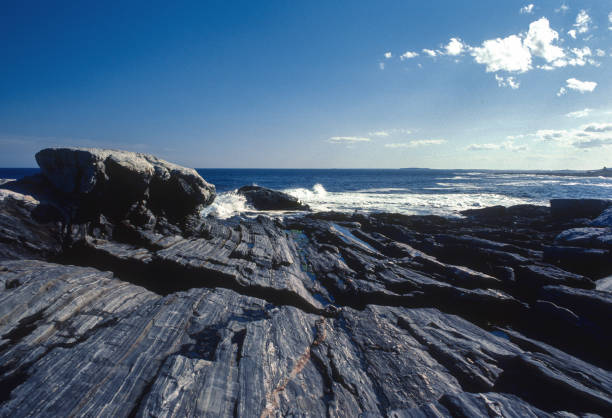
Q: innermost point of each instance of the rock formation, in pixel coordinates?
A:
(262, 198)
(504, 312)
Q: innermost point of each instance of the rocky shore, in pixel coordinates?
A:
(118, 299)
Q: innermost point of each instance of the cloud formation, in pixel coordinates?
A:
(527, 9)
(581, 86)
(540, 39)
(593, 135)
(430, 52)
(507, 82)
(416, 143)
(507, 145)
(408, 54)
(583, 20)
(507, 54)
(348, 139)
(454, 47)
(579, 113)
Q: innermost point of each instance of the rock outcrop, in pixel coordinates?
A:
(113, 182)
(322, 314)
(262, 198)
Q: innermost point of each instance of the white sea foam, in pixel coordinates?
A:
(227, 205)
(445, 204)
(305, 195)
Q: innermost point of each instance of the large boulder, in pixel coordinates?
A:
(262, 198)
(578, 208)
(586, 237)
(113, 181)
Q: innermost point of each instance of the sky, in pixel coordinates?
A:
(311, 84)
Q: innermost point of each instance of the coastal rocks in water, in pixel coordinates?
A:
(578, 208)
(262, 198)
(322, 314)
(116, 180)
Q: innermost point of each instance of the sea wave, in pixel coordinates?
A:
(226, 205)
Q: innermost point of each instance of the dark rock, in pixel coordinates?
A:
(541, 275)
(578, 208)
(262, 198)
(592, 262)
(586, 237)
(28, 228)
(112, 181)
(603, 220)
(593, 305)
(490, 212)
(312, 314)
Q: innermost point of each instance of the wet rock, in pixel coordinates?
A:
(540, 275)
(592, 262)
(603, 220)
(586, 237)
(262, 198)
(312, 314)
(578, 208)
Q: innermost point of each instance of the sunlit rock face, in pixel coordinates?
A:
(136, 310)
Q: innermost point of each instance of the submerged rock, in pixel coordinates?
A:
(262, 198)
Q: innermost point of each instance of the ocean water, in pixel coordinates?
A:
(407, 191)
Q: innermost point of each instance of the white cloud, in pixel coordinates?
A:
(579, 113)
(381, 65)
(572, 33)
(580, 55)
(416, 143)
(598, 127)
(483, 147)
(507, 54)
(582, 22)
(430, 52)
(388, 55)
(408, 54)
(610, 20)
(390, 132)
(562, 91)
(593, 135)
(454, 47)
(527, 9)
(563, 8)
(581, 86)
(600, 52)
(507, 145)
(507, 82)
(348, 139)
(540, 38)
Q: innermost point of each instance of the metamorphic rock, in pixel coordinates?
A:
(118, 299)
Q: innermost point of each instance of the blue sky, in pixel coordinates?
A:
(364, 84)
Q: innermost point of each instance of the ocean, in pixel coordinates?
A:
(407, 191)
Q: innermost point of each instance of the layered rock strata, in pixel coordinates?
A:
(504, 312)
